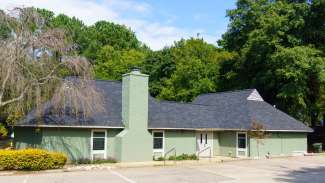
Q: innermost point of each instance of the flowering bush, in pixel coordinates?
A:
(31, 159)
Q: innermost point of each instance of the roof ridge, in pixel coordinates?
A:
(109, 81)
(183, 103)
(230, 91)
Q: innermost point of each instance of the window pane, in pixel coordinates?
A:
(99, 134)
(242, 143)
(158, 134)
(241, 135)
(157, 143)
(98, 143)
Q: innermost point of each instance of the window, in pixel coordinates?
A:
(242, 141)
(158, 141)
(98, 140)
(206, 138)
(98, 144)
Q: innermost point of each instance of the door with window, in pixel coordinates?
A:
(158, 142)
(204, 142)
(98, 144)
(241, 144)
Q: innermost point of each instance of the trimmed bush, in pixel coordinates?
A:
(31, 159)
(183, 157)
(96, 161)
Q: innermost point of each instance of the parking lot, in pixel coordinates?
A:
(292, 169)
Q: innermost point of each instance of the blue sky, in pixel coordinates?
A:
(157, 23)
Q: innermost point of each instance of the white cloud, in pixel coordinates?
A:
(155, 34)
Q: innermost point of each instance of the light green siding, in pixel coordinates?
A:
(27, 138)
(216, 144)
(227, 143)
(111, 142)
(279, 144)
(134, 143)
(73, 142)
(183, 141)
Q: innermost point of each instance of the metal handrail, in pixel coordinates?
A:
(210, 153)
(171, 150)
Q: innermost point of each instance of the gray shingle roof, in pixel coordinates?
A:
(226, 110)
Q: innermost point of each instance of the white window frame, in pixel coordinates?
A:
(241, 149)
(163, 138)
(92, 152)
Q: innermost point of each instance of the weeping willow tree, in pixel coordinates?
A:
(35, 62)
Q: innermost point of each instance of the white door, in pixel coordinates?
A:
(204, 143)
(98, 144)
(241, 144)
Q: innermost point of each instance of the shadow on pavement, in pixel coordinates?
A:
(314, 175)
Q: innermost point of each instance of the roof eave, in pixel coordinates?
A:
(69, 126)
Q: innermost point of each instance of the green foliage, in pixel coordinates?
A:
(297, 72)
(160, 159)
(104, 33)
(183, 157)
(185, 70)
(4, 30)
(31, 159)
(111, 63)
(278, 53)
(3, 131)
(97, 161)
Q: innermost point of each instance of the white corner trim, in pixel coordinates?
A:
(255, 96)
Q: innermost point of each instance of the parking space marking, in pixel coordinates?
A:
(212, 172)
(26, 179)
(122, 176)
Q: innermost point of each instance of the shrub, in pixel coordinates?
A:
(160, 158)
(31, 159)
(96, 161)
(107, 160)
(183, 157)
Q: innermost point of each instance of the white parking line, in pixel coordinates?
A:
(213, 172)
(26, 179)
(122, 176)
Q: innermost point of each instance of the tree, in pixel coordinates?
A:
(297, 73)
(258, 133)
(104, 33)
(261, 31)
(185, 70)
(34, 65)
(159, 65)
(111, 64)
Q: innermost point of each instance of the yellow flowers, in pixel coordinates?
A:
(31, 159)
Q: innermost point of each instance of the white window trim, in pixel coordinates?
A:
(163, 137)
(92, 152)
(241, 149)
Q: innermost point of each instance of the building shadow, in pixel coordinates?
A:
(302, 175)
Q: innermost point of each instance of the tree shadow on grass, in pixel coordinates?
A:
(313, 175)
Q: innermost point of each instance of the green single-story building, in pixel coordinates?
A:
(137, 127)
